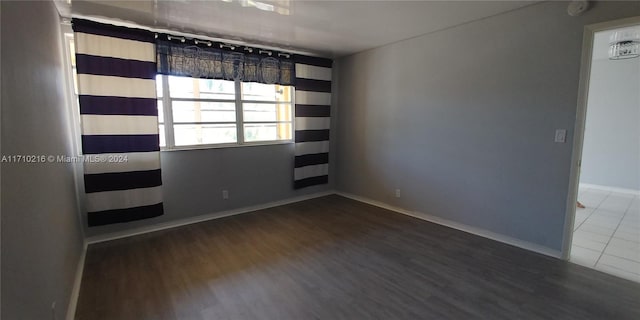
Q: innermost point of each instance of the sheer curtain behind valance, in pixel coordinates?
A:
(219, 61)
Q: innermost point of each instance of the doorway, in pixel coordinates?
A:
(605, 231)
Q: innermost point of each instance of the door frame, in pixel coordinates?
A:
(579, 126)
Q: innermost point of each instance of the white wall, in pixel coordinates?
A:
(41, 234)
(611, 149)
(463, 120)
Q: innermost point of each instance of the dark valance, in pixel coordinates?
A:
(212, 60)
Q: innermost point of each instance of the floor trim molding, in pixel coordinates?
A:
(75, 291)
(460, 226)
(201, 218)
(611, 189)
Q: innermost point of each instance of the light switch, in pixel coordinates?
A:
(561, 135)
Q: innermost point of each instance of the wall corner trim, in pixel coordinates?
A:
(460, 226)
(75, 291)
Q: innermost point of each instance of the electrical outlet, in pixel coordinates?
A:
(561, 136)
(397, 193)
(225, 194)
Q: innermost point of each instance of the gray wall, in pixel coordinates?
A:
(41, 234)
(462, 120)
(611, 148)
(193, 181)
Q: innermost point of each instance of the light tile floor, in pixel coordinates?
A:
(607, 233)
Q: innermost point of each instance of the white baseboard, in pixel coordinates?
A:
(610, 189)
(201, 218)
(75, 291)
(462, 227)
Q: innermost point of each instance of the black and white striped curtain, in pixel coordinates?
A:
(312, 121)
(116, 70)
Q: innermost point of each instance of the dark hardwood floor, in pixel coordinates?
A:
(335, 258)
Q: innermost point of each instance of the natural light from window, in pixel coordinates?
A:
(221, 112)
(203, 113)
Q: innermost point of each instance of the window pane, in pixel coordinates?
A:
(159, 86)
(75, 81)
(188, 134)
(265, 92)
(266, 112)
(72, 51)
(267, 131)
(196, 111)
(163, 142)
(182, 87)
(160, 111)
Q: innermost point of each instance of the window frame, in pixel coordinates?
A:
(68, 38)
(168, 123)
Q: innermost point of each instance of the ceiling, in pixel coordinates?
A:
(321, 27)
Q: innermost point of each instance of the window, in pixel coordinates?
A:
(196, 113)
(206, 112)
(72, 81)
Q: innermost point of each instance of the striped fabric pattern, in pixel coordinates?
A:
(116, 70)
(312, 121)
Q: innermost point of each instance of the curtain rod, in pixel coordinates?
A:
(223, 45)
(192, 36)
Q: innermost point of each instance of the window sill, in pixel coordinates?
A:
(226, 145)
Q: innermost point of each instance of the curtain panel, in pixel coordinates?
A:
(116, 68)
(312, 120)
(213, 60)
